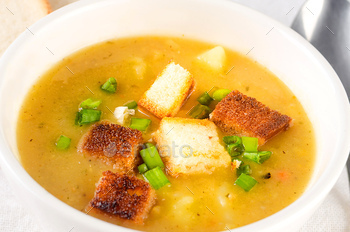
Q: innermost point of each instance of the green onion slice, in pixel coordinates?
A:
(151, 157)
(258, 157)
(156, 178)
(110, 85)
(246, 182)
(244, 169)
(220, 94)
(205, 99)
(142, 168)
(140, 124)
(234, 149)
(149, 145)
(131, 104)
(200, 111)
(86, 116)
(90, 104)
(63, 142)
(232, 139)
(250, 144)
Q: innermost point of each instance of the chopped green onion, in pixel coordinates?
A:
(140, 124)
(149, 145)
(90, 104)
(63, 142)
(234, 149)
(205, 99)
(151, 157)
(244, 169)
(250, 144)
(110, 85)
(131, 105)
(200, 111)
(86, 116)
(232, 139)
(156, 178)
(246, 182)
(258, 157)
(142, 168)
(220, 94)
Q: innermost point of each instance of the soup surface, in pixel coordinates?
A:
(200, 202)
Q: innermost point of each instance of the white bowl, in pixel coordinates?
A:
(283, 51)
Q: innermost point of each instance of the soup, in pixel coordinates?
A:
(193, 202)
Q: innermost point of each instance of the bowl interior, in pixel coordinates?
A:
(281, 50)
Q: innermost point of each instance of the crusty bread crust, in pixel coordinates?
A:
(190, 146)
(17, 15)
(113, 144)
(150, 100)
(123, 196)
(238, 114)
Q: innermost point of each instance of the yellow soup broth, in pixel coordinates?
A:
(200, 202)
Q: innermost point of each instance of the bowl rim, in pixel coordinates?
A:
(308, 199)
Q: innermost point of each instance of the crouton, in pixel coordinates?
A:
(189, 146)
(168, 92)
(238, 114)
(113, 144)
(214, 58)
(122, 196)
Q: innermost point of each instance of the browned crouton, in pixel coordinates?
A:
(238, 114)
(113, 144)
(125, 197)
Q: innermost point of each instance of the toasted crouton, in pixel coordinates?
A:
(112, 143)
(122, 196)
(168, 92)
(238, 114)
(189, 146)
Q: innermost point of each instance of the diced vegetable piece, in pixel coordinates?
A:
(205, 99)
(149, 145)
(131, 105)
(258, 157)
(142, 168)
(122, 113)
(110, 85)
(250, 144)
(232, 139)
(90, 104)
(236, 163)
(244, 169)
(246, 182)
(63, 142)
(140, 124)
(151, 157)
(214, 58)
(234, 149)
(200, 111)
(86, 116)
(220, 94)
(156, 178)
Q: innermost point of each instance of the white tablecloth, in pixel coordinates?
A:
(332, 216)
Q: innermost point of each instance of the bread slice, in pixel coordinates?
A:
(122, 196)
(190, 146)
(16, 16)
(168, 92)
(238, 114)
(113, 144)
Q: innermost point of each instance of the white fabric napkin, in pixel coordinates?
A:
(332, 216)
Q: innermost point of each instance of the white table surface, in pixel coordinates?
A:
(332, 216)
